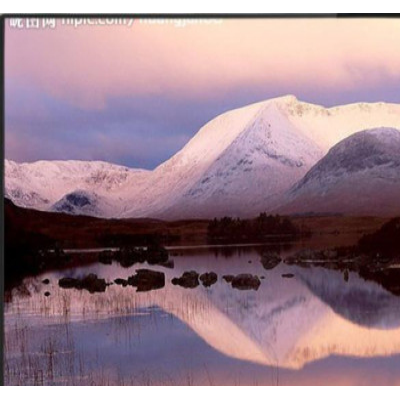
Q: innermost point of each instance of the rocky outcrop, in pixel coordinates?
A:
(121, 282)
(146, 279)
(128, 256)
(188, 280)
(91, 283)
(208, 278)
(246, 282)
(156, 255)
(270, 260)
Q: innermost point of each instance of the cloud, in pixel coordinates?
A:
(85, 65)
(136, 94)
(126, 130)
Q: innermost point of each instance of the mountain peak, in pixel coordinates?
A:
(286, 99)
(370, 144)
(359, 175)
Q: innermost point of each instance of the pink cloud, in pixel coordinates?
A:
(85, 65)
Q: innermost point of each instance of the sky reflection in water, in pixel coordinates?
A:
(311, 329)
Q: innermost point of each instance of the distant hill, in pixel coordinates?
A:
(359, 176)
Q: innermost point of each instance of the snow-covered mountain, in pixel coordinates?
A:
(53, 185)
(359, 175)
(240, 163)
(236, 164)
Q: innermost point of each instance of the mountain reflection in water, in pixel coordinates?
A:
(312, 329)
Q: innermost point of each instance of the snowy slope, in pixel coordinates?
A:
(328, 126)
(240, 163)
(41, 185)
(360, 175)
(265, 158)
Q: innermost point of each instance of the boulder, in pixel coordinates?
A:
(189, 279)
(156, 255)
(146, 279)
(68, 283)
(246, 282)
(128, 256)
(270, 260)
(91, 283)
(120, 281)
(208, 278)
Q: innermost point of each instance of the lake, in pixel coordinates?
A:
(311, 329)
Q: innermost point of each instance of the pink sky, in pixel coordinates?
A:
(86, 64)
(214, 67)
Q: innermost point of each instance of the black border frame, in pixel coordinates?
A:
(3, 17)
(2, 155)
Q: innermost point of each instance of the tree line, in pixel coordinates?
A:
(242, 230)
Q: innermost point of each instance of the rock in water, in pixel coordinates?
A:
(246, 282)
(208, 278)
(68, 283)
(120, 281)
(188, 280)
(91, 283)
(157, 255)
(270, 260)
(128, 256)
(146, 279)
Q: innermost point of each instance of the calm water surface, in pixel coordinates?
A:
(314, 328)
